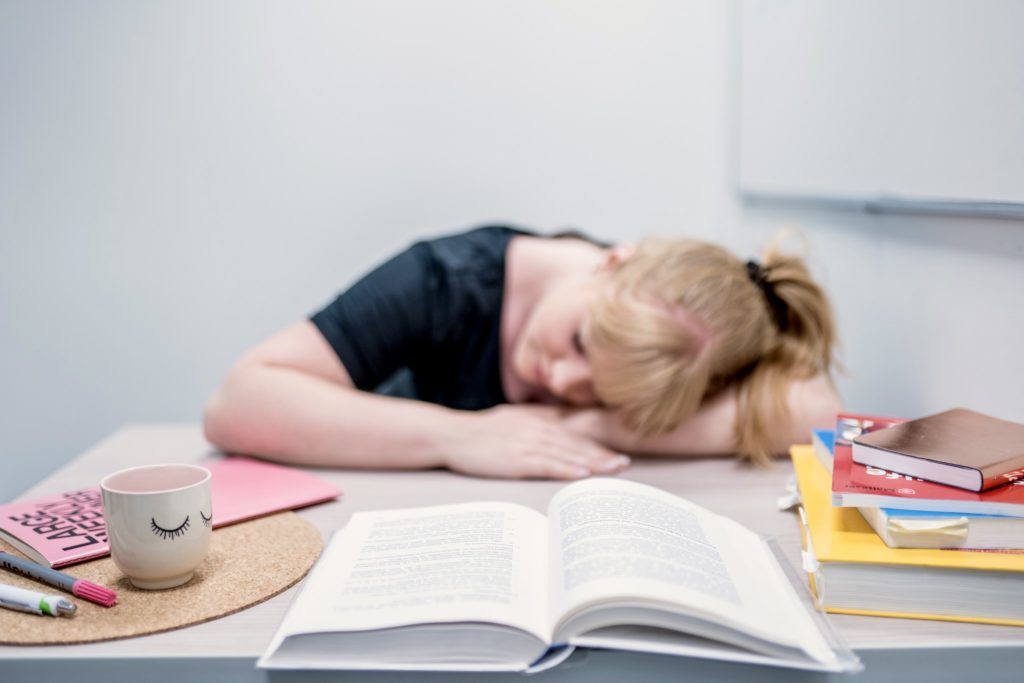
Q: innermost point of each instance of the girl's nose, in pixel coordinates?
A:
(570, 380)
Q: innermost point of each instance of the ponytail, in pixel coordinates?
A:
(681, 320)
(804, 347)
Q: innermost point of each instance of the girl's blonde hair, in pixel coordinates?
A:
(679, 320)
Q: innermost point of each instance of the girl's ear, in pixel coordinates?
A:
(615, 257)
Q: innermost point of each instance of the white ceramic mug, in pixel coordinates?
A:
(159, 520)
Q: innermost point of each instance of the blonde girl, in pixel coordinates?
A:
(524, 355)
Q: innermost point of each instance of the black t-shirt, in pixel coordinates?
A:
(435, 310)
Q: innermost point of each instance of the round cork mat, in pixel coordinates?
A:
(247, 563)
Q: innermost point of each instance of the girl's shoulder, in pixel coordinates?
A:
(480, 248)
(499, 235)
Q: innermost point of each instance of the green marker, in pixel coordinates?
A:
(24, 600)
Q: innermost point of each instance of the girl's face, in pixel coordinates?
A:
(550, 354)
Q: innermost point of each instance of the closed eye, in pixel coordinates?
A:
(206, 520)
(168, 533)
(577, 343)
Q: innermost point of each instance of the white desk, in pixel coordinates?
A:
(226, 649)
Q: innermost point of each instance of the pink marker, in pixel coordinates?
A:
(86, 590)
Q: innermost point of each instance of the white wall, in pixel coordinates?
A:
(178, 180)
(929, 308)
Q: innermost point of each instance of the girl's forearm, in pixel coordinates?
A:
(289, 415)
(708, 432)
(812, 403)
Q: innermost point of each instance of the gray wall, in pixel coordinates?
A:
(178, 180)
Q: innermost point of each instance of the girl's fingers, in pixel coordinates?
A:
(586, 453)
(607, 463)
(537, 466)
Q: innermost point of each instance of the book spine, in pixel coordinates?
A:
(991, 480)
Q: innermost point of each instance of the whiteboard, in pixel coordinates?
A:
(896, 103)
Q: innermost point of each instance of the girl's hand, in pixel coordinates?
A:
(525, 442)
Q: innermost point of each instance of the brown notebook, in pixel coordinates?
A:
(959, 448)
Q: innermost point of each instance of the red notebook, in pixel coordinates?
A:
(857, 485)
(68, 527)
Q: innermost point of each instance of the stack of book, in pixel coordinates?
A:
(888, 543)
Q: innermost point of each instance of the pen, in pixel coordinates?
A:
(80, 587)
(24, 600)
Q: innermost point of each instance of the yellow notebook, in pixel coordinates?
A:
(854, 572)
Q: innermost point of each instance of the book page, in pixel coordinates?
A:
(482, 562)
(619, 542)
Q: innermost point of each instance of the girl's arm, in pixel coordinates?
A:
(291, 399)
(813, 403)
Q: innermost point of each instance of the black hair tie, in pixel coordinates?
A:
(780, 311)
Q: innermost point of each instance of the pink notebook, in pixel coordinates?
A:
(68, 527)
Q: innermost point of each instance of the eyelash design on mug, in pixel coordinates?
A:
(168, 533)
(206, 520)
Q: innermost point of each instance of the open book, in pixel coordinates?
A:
(499, 587)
